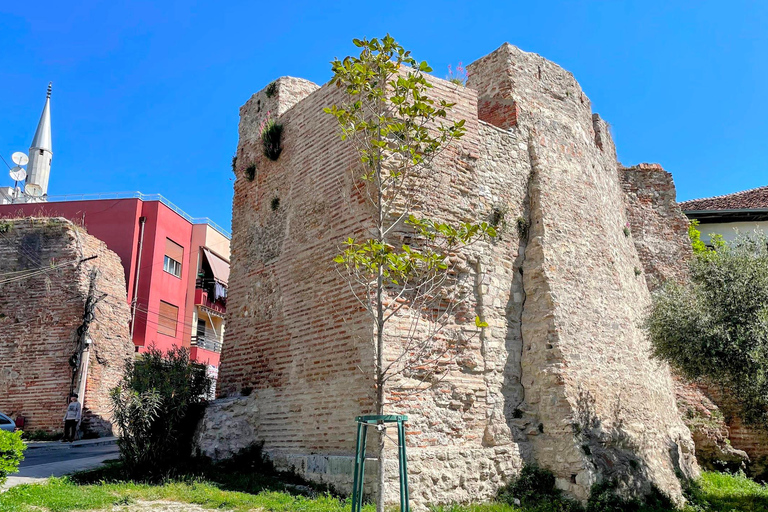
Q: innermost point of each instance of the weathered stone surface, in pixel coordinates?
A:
(40, 315)
(656, 225)
(659, 231)
(563, 363)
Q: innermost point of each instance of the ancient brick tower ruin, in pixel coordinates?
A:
(561, 376)
(66, 281)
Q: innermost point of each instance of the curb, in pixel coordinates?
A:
(40, 446)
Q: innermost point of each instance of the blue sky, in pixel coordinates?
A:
(146, 94)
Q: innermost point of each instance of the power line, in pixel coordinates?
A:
(6, 163)
(37, 272)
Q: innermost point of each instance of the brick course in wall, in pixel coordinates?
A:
(558, 289)
(40, 315)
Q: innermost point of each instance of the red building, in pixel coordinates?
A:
(176, 267)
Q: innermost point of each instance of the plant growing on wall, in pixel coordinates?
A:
(271, 134)
(457, 75)
(402, 269)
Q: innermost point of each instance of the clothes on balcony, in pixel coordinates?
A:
(219, 292)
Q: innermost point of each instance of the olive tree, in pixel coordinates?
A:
(397, 130)
(715, 326)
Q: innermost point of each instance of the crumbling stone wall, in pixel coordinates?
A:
(561, 375)
(657, 226)
(41, 313)
(659, 230)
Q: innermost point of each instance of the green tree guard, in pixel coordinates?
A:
(359, 477)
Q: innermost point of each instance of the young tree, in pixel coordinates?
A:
(398, 130)
(715, 327)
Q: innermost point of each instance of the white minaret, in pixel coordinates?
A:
(41, 150)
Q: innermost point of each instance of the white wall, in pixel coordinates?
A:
(730, 230)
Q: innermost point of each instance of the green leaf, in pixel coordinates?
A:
(480, 323)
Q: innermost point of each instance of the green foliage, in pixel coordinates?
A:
(220, 488)
(694, 235)
(605, 497)
(157, 407)
(535, 489)
(699, 247)
(523, 226)
(11, 453)
(271, 135)
(716, 326)
(408, 264)
(234, 164)
(275, 203)
(250, 172)
(135, 414)
(390, 112)
(41, 435)
(271, 89)
(397, 130)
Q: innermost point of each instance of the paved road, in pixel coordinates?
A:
(40, 464)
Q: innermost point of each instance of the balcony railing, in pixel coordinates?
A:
(202, 299)
(207, 342)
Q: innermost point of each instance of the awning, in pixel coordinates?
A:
(219, 267)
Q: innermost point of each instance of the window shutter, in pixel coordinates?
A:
(168, 318)
(174, 250)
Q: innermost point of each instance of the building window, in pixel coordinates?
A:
(172, 266)
(174, 255)
(168, 319)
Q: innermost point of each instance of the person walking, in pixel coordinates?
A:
(72, 418)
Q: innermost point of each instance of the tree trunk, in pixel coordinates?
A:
(380, 335)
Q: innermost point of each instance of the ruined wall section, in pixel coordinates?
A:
(587, 374)
(657, 226)
(40, 315)
(659, 230)
(298, 347)
(112, 346)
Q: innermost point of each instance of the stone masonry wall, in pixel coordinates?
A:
(40, 315)
(659, 230)
(657, 225)
(563, 363)
(587, 376)
(293, 330)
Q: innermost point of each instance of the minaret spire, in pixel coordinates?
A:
(41, 150)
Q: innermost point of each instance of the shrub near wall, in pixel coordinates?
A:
(11, 453)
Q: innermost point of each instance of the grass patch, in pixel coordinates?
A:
(243, 490)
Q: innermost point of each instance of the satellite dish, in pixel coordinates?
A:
(20, 158)
(18, 173)
(34, 190)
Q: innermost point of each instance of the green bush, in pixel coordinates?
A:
(271, 134)
(11, 453)
(715, 327)
(157, 408)
(41, 435)
(535, 488)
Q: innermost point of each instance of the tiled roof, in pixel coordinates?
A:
(756, 198)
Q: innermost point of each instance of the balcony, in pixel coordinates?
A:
(207, 341)
(202, 299)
